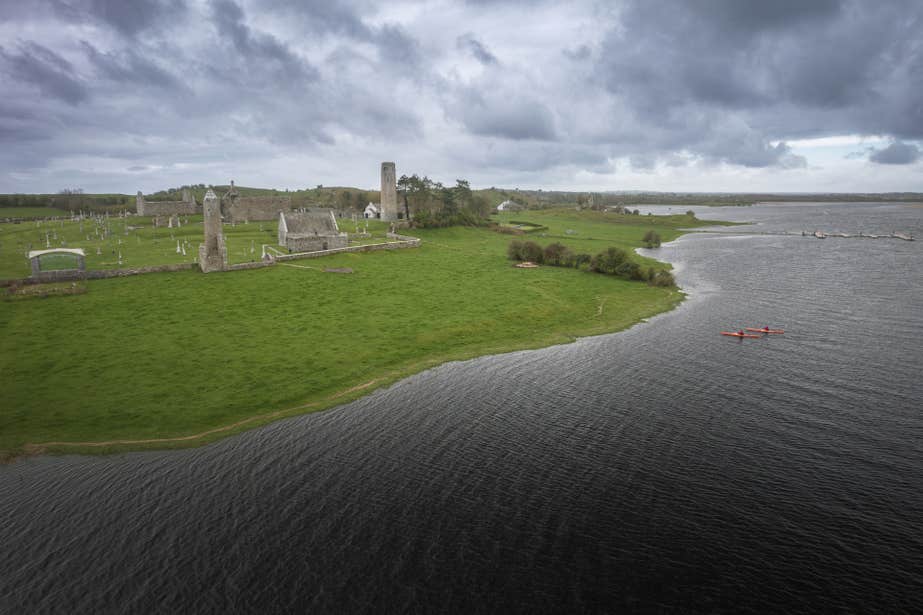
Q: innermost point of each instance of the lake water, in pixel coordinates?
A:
(665, 468)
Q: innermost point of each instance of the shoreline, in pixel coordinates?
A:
(328, 402)
(324, 399)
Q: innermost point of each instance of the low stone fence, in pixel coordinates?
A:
(414, 240)
(69, 275)
(253, 265)
(66, 275)
(400, 243)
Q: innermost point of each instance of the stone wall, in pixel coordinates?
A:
(68, 275)
(401, 243)
(187, 206)
(169, 208)
(253, 208)
(312, 243)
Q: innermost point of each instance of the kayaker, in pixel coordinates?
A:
(741, 333)
(766, 329)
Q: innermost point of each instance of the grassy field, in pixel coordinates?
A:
(138, 242)
(178, 354)
(31, 212)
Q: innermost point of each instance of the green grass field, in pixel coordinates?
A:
(31, 212)
(176, 354)
(138, 242)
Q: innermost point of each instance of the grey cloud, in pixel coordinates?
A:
(481, 53)
(397, 47)
(268, 57)
(642, 162)
(49, 72)
(896, 153)
(499, 114)
(128, 66)
(787, 69)
(126, 17)
(746, 17)
(579, 53)
(654, 82)
(322, 16)
(344, 19)
(532, 157)
(766, 155)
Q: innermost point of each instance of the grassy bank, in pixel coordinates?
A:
(177, 355)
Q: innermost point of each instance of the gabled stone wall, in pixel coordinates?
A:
(186, 207)
(253, 208)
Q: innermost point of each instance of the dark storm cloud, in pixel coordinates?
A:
(46, 70)
(162, 84)
(126, 17)
(786, 69)
(477, 49)
(259, 48)
(343, 19)
(896, 153)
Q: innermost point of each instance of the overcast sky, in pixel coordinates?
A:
(697, 95)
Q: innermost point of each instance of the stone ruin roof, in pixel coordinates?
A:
(311, 222)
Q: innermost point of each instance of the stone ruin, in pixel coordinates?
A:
(310, 231)
(236, 208)
(389, 207)
(213, 254)
(187, 206)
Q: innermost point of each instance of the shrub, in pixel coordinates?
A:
(531, 251)
(663, 278)
(514, 250)
(609, 261)
(651, 239)
(690, 213)
(556, 254)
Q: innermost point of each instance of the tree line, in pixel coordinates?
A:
(612, 261)
(71, 199)
(430, 204)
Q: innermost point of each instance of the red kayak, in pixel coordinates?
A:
(766, 330)
(732, 334)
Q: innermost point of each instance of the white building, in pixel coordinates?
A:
(372, 210)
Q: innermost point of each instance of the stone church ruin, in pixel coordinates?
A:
(310, 231)
(187, 206)
(236, 208)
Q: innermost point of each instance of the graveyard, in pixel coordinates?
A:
(115, 241)
(180, 359)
